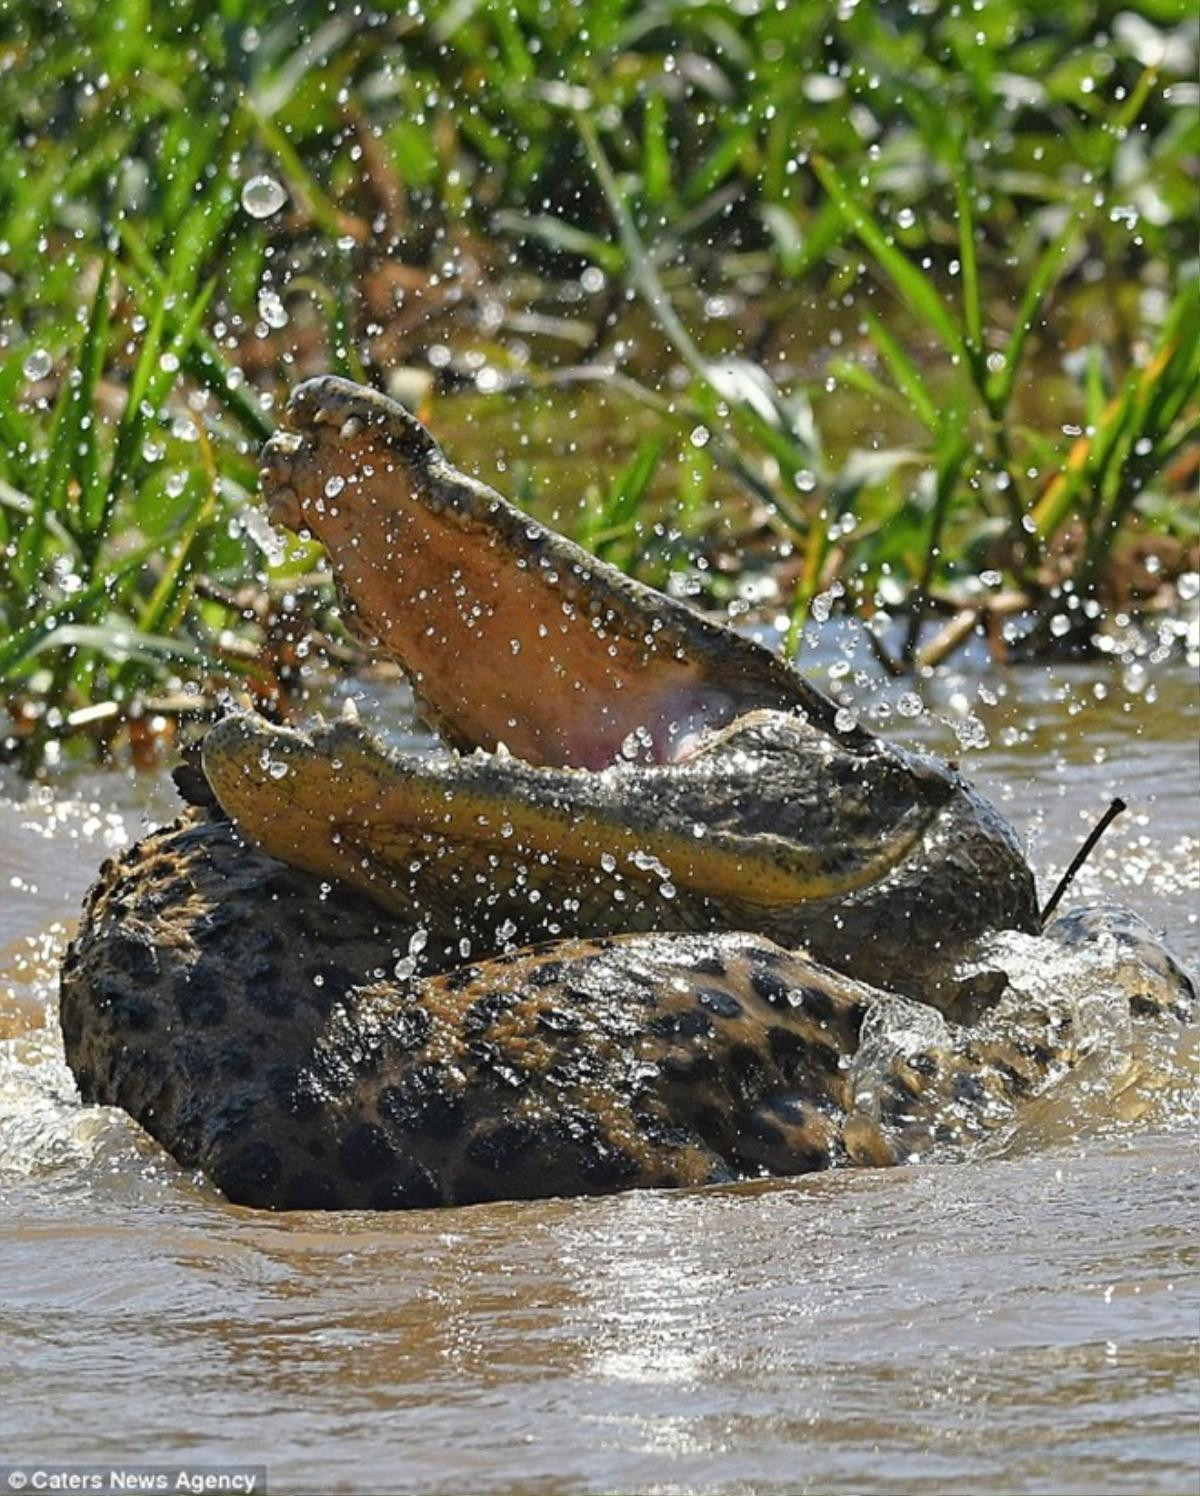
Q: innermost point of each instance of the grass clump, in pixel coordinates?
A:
(885, 307)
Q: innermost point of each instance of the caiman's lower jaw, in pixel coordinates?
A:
(509, 633)
(334, 803)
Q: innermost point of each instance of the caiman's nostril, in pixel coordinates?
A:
(300, 403)
(326, 400)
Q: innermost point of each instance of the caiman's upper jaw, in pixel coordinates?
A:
(507, 631)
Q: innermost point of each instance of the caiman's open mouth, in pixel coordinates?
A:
(630, 745)
(509, 633)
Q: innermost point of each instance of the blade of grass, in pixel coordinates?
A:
(1168, 383)
(914, 287)
(969, 270)
(49, 497)
(96, 507)
(91, 364)
(18, 438)
(646, 280)
(1000, 385)
(713, 170)
(951, 458)
(799, 248)
(562, 236)
(856, 376)
(625, 496)
(656, 157)
(121, 643)
(641, 270)
(20, 503)
(906, 375)
(815, 550)
(72, 441)
(310, 196)
(163, 601)
(1097, 397)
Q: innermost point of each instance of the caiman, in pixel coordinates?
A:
(640, 924)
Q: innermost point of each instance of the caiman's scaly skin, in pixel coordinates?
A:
(635, 935)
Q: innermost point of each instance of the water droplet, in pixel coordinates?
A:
(277, 769)
(262, 196)
(37, 364)
(701, 436)
(971, 733)
(334, 486)
(261, 533)
(821, 606)
(271, 309)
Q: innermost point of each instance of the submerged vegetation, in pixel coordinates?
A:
(888, 308)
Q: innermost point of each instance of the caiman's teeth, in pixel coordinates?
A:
(502, 750)
(326, 415)
(350, 711)
(351, 427)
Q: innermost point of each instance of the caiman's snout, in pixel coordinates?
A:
(332, 429)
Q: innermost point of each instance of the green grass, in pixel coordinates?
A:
(971, 232)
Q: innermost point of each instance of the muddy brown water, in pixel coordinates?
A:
(1025, 1320)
